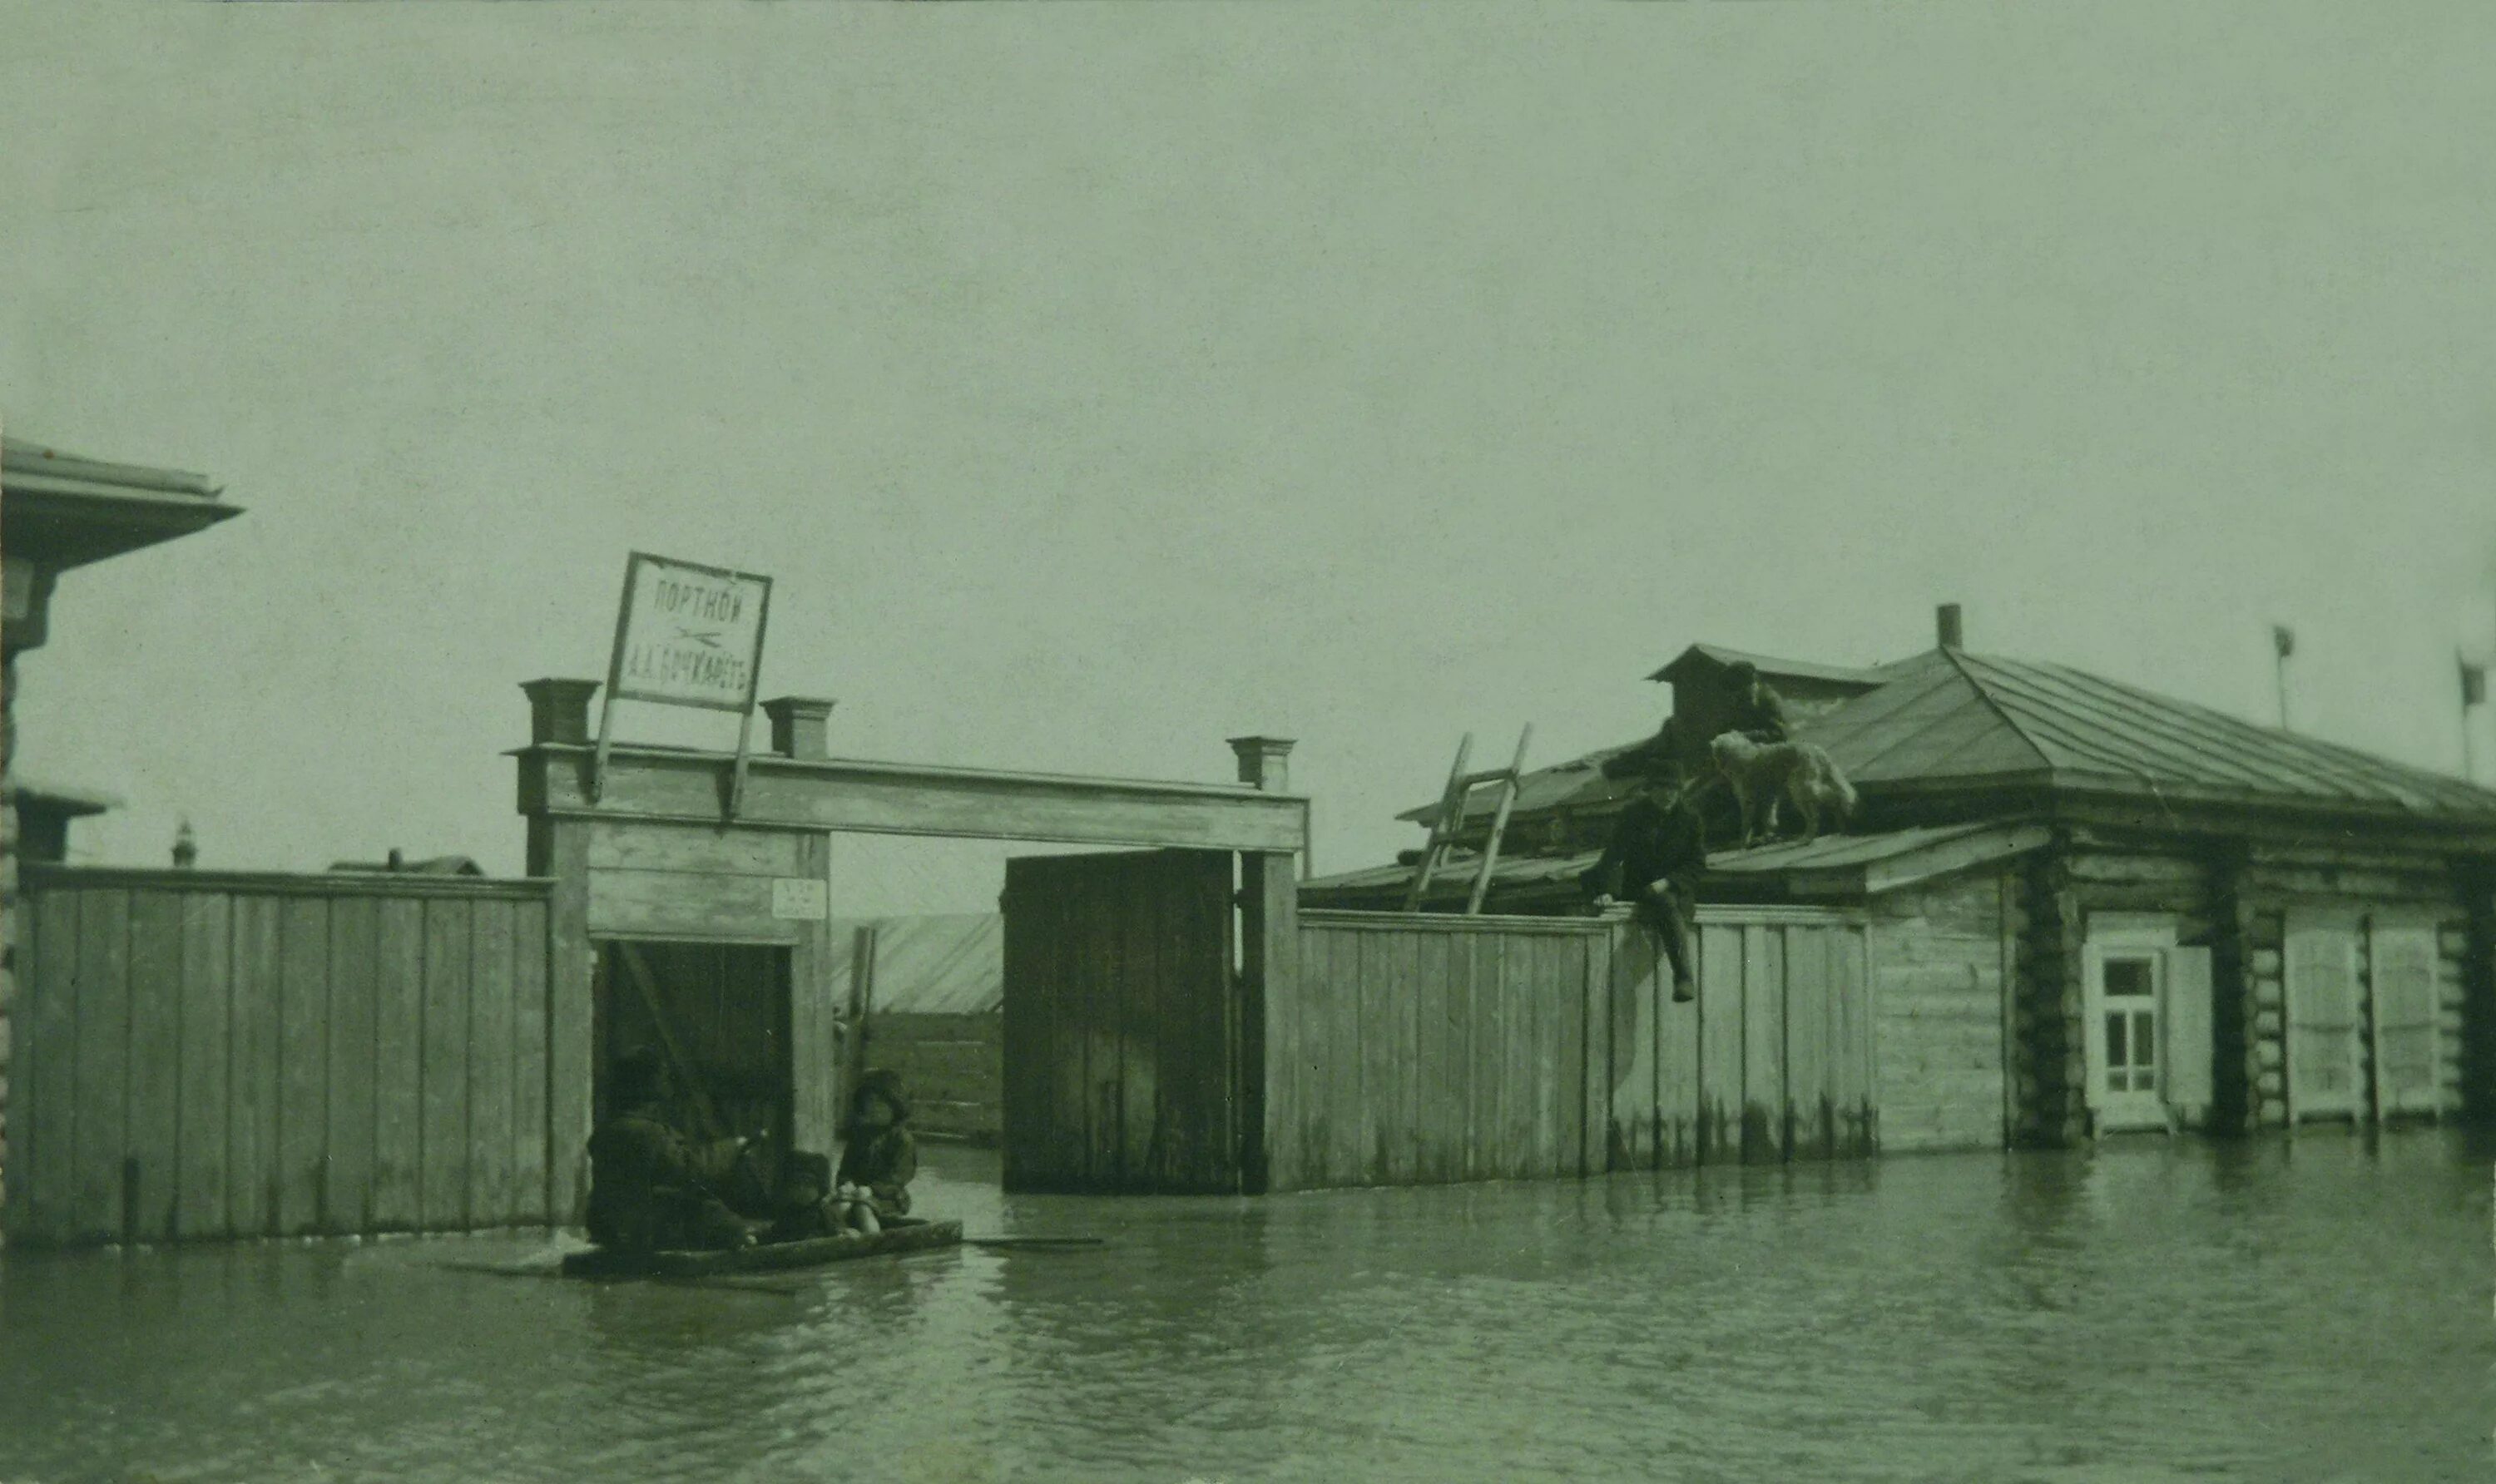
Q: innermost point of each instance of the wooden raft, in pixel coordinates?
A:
(902, 1235)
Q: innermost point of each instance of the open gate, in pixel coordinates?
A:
(1123, 1066)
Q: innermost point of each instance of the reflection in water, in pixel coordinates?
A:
(2154, 1310)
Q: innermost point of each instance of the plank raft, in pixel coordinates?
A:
(903, 1235)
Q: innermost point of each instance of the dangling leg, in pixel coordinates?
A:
(1662, 913)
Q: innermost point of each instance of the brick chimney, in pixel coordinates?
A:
(1947, 627)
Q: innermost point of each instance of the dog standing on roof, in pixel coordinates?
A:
(1770, 773)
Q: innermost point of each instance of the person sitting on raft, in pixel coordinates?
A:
(879, 1157)
(650, 1185)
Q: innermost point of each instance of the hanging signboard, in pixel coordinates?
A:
(686, 635)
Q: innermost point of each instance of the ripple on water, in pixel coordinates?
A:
(2147, 1313)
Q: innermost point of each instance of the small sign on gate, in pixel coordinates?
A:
(686, 635)
(800, 899)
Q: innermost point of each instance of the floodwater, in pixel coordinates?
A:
(2153, 1310)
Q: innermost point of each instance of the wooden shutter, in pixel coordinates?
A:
(2318, 974)
(2093, 1027)
(2402, 964)
(2185, 1069)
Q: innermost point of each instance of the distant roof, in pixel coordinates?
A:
(1839, 864)
(66, 510)
(1718, 656)
(1949, 718)
(75, 803)
(937, 964)
(437, 865)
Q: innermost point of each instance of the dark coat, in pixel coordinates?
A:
(884, 1161)
(1762, 716)
(649, 1186)
(1652, 842)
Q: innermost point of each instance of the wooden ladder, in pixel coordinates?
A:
(1449, 822)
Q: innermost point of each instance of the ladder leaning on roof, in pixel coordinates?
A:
(1449, 822)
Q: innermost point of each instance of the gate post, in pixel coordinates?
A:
(1268, 998)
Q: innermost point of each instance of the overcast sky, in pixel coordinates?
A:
(1100, 383)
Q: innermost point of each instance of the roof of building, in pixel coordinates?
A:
(66, 510)
(1718, 656)
(1949, 718)
(75, 803)
(1841, 865)
(435, 865)
(938, 964)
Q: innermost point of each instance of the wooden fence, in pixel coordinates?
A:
(218, 1055)
(1435, 1047)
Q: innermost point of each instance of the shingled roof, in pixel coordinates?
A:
(1949, 719)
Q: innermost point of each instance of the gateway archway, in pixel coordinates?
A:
(1136, 1055)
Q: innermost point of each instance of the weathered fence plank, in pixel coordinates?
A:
(101, 997)
(208, 1020)
(1763, 1044)
(302, 1073)
(1720, 1045)
(252, 1120)
(398, 1062)
(355, 976)
(489, 1065)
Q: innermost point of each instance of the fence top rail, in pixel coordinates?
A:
(51, 876)
(1452, 923)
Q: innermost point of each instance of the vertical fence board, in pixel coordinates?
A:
(302, 1075)
(442, 1183)
(1677, 1095)
(1808, 1039)
(1487, 1040)
(489, 1067)
(528, 1064)
(1720, 1045)
(1513, 1155)
(1634, 1082)
(259, 1048)
(398, 1061)
(1438, 1059)
(47, 1058)
(1345, 1151)
(1851, 1042)
(1400, 1108)
(207, 1024)
(1763, 1044)
(1594, 1012)
(1071, 1160)
(1454, 1089)
(152, 1157)
(354, 974)
(1142, 923)
(103, 1000)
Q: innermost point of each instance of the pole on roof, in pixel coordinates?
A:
(2283, 640)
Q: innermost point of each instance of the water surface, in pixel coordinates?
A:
(2152, 1311)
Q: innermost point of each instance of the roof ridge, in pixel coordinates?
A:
(2322, 753)
(1957, 660)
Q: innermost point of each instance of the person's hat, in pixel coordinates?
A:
(638, 1075)
(884, 1083)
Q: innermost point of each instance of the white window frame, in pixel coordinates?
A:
(2126, 934)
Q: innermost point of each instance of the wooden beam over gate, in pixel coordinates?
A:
(886, 798)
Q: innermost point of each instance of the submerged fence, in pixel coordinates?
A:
(1435, 1048)
(217, 1054)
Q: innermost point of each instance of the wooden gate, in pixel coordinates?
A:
(1122, 1038)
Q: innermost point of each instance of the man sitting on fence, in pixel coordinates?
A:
(1658, 848)
(650, 1187)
